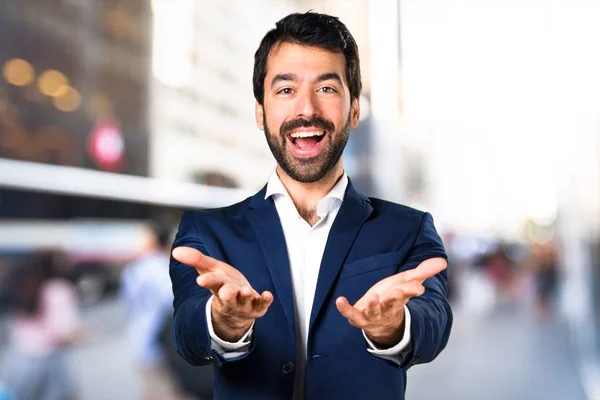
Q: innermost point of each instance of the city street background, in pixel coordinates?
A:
(118, 115)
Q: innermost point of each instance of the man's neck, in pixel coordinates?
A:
(306, 196)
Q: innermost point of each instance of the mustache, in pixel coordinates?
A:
(314, 122)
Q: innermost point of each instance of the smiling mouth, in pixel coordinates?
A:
(306, 140)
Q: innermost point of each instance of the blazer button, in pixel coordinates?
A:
(287, 367)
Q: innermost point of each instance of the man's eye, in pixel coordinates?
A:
(327, 89)
(285, 91)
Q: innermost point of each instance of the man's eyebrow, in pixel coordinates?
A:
(330, 75)
(294, 78)
(284, 77)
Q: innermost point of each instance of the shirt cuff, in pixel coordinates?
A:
(224, 348)
(397, 352)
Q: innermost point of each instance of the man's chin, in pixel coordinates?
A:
(305, 175)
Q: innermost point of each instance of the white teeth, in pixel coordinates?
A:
(307, 134)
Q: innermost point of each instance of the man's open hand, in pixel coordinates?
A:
(380, 312)
(235, 304)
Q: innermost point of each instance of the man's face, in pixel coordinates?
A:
(307, 113)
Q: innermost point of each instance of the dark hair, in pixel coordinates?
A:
(162, 233)
(309, 29)
(32, 274)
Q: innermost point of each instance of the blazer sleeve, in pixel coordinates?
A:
(191, 336)
(431, 315)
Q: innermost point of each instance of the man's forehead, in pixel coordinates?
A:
(294, 58)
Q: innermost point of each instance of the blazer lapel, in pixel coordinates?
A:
(264, 220)
(353, 213)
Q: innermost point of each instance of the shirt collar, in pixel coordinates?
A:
(331, 201)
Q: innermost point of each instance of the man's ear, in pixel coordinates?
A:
(354, 113)
(259, 115)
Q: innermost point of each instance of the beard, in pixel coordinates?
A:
(312, 169)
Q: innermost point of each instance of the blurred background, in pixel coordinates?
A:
(117, 115)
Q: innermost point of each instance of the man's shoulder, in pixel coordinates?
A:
(386, 208)
(218, 213)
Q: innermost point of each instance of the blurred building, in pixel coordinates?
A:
(73, 92)
(73, 108)
(75, 83)
(202, 103)
(74, 135)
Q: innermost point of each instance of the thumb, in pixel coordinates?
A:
(342, 304)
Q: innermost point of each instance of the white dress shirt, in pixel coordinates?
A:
(305, 248)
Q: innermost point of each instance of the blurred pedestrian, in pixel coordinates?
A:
(44, 323)
(502, 271)
(452, 293)
(546, 277)
(147, 294)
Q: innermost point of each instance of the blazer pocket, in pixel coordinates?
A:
(372, 263)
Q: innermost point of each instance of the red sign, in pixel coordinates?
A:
(106, 146)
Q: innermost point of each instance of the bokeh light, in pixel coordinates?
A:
(69, 101)
(18, 72)
(53, 83)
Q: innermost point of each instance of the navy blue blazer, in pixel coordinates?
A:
(370, 239)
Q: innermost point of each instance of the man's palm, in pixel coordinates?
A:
(235, 304)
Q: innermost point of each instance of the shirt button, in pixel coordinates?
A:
(287, 367)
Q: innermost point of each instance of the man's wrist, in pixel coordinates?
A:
(388, 338)
(227, 328)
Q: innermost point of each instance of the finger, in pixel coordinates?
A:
(374, 306)
(246, 295)
(248, 291)
(364, 302)
(425, 270)
(419, 290)
(266, 297)
(352, 314)
(194, 258)
(262, 303)
(402, 294)
(228, 293)
(211, 281)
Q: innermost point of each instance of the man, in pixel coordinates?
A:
(309, 289)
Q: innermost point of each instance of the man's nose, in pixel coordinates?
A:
(306, 105)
